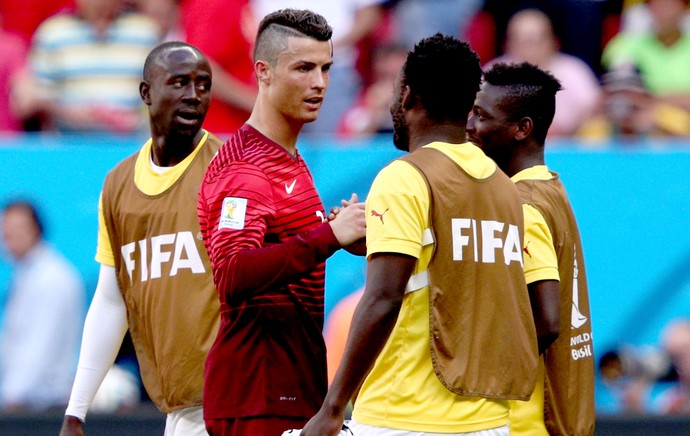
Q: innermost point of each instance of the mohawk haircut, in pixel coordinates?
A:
(158, 52)
(276, 27)
(529, 92)
(444, 73)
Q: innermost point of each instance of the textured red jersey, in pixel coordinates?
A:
(263, 226)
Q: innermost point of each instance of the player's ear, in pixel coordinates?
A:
(524, 128)
(408, 99)
(145, 92)
(263, 71)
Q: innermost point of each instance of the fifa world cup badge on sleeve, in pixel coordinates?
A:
(232, 214)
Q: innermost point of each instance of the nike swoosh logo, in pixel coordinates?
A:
(289, 189)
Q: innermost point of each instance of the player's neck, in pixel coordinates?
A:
(276, 128)
(170, 151)
(451, 133)
(522, 161)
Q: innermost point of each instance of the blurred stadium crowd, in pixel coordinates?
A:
(74, 65)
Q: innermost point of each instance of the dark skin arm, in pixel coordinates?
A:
(372, 323)
(545, 298)
(72, 426)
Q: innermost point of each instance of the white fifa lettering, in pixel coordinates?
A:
(459, 240)
(491, 238)
(127, 250)
(491, 242)
(157, 255)
(185, 243)
(185, 255)
(144, 260)
(512, 250)
(475, 245)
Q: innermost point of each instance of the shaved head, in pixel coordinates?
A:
(277, 27)
(158, 54)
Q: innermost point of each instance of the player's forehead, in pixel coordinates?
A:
(183, 58)
(305, 49)
(489, 97)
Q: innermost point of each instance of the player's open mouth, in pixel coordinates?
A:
(314, 103)
(187, 117)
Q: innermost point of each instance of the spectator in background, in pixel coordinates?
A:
(43, 317)
(578, 23)
(629, 374)
(628, 111)
(662, 55)
(166, 14)
(676, 343)
(12, 61)
(336, 328)
(85, 67)
(417, 19)
(223, 30)
(23, 17)
(370, 114)
(352, 21)
(530, 38)
(635, 17)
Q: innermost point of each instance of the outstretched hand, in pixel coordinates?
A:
(349, 225)
(343, 204)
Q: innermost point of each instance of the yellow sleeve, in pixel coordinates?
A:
(104, 252)
(397, 211)
(539, 253)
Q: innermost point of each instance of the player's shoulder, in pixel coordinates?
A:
(399, 176)
(227, 152)
(241, 148)
(214, 142)
(234, 160)
(124, 167)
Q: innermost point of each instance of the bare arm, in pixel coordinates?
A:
(545, 299)
(366, 19)
(372, 323)
(231, 90)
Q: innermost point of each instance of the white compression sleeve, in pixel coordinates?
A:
(104, 330)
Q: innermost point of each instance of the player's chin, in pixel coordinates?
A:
(310, 114)
(358, 248)
(310, 117)
(188, 129)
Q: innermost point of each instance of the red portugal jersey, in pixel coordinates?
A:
(262, 223)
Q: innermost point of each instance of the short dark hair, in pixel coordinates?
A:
(30, 209)
(445, 74)
(271, 37)
(530, 92)
(159, 50)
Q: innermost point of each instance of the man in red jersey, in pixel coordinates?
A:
(267, 236)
